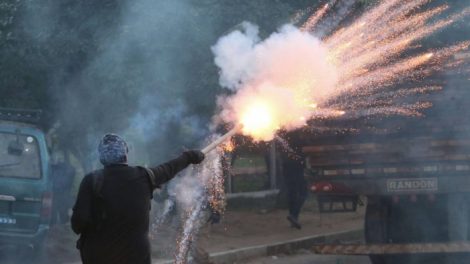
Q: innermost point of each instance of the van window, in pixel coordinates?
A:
(19, 156)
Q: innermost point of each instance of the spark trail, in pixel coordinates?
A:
(202, 189)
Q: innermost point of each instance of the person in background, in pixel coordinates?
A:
(111, 213)
(293, 164)
(63, 174)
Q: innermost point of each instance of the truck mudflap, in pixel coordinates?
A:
(391, 249)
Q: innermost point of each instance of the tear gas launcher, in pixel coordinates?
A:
(221, 139)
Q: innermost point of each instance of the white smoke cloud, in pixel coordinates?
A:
(235, 55)
(290, 70)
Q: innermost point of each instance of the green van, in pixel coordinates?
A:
(25, 182)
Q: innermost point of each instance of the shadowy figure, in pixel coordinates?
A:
(293, 164)
(63, 175)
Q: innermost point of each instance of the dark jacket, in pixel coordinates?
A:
(121, 237)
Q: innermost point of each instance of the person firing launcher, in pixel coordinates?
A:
(111, 213)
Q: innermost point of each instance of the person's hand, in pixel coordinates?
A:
(194, 156)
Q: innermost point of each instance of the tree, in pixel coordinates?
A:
(142, 68)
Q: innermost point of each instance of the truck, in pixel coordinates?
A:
(412, 173)
(25, 181)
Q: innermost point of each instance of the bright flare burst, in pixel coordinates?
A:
(293, 76)
(257, 119)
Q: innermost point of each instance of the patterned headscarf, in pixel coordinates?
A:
(113, 150)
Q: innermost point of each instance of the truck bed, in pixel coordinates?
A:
(398, 166)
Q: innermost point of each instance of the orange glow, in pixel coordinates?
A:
(228, 146)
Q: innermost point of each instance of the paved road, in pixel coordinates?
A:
(11, 255)
(309, 258)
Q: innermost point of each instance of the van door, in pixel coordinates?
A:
(22, 185)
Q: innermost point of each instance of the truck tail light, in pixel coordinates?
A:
(46, 207)
(327, 187)
(321, 187)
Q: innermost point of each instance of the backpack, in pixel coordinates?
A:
(98, 179)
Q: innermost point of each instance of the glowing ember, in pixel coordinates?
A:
(228, 146)
(293, 76)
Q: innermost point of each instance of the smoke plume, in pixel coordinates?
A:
(289, 68)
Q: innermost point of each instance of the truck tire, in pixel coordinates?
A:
(458, 224)
(375, 226)
(408, 222)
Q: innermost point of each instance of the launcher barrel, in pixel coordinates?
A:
(221, 139)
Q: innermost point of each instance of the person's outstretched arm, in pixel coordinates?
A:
(166, 171)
